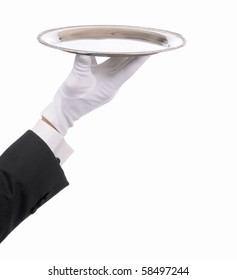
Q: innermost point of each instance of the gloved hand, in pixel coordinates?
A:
(88, 86)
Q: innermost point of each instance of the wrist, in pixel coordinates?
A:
(53, 139)
(48, 122)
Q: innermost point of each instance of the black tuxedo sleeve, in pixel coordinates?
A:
(29, 176)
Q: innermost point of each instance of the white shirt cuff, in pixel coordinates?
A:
(54, 140)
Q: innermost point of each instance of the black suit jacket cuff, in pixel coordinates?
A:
(29, 176)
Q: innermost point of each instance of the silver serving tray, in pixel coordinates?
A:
(111, 40)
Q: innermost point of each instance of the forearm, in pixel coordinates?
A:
(29, 176)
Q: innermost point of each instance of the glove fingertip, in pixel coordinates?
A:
(83, 59)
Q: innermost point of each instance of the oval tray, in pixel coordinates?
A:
(111, 40)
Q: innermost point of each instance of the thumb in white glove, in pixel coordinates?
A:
(88, 86)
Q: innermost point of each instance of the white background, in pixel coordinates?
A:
(153, 176)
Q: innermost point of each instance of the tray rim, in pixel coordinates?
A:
(110, 54)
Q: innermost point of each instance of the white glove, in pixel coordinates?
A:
(88, 86)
